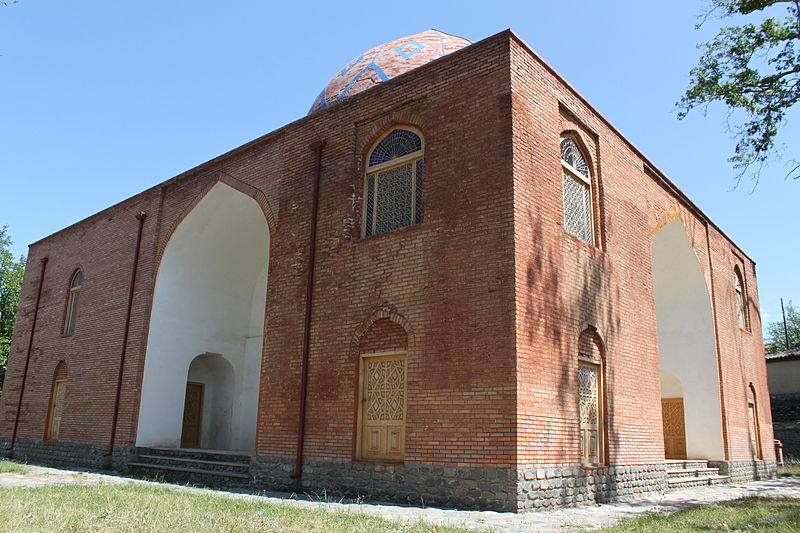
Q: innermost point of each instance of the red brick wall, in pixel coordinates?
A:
(489, 291)
(564, 284)
(448, 280)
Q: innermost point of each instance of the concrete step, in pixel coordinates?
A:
(685, 464)
(188, 462)
(214, 477)
(692, 473)
(222, 456)
(683, 483)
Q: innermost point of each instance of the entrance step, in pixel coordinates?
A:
(685, 464)
(207, 467)
(685, 473)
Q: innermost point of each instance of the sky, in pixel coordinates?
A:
(101, 100)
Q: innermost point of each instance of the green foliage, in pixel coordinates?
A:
(144, 508)
(10, 467)
(11, 272)
(754, 69)
(768, 515)
(775, 339)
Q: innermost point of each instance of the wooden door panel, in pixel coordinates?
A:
(590, 412)
(383, 407)
(672, 416)
(192, 415)
(752, 422)
(57, 408)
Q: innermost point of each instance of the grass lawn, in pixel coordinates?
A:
(10, 467)
(746, 514)
(143, 508)
(790, 470)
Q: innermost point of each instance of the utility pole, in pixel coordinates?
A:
(785, 330)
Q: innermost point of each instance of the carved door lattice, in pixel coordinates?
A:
(384, 407)
(590, 416)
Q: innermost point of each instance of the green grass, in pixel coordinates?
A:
(143, 508)
(747, 514)
(790, 470)
(10, 467)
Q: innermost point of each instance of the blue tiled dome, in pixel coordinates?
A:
(386, 61)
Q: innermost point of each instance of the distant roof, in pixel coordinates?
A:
(793, 353)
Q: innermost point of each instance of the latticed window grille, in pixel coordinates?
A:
(393, 197)
(577, 189)
(72, 302)
(741, 310)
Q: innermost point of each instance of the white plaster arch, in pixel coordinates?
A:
(670, 386)
(209, 298)
(687, 349)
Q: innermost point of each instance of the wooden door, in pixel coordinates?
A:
(752, 422)
(192, 415)
(383, 407)
(674, 428)
(56, 408)
(590, 413)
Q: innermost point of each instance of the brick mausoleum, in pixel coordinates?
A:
(453, 282)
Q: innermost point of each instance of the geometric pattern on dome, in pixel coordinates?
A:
(385, 62)
(398, 143)
(572, 155)
(407, 50)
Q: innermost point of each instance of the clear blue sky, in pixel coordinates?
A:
(101, 100)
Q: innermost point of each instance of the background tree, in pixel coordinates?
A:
(11, 271)
(775, 339)
(754, 69)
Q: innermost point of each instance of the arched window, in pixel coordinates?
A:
(577, 183)
(591, 412)
(741, 298)
(393, 197)
(58, 395)
(72, 302)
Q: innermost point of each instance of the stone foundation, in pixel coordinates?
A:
(67, 454)
(498, 489)
(463, 488)
(541, 488)
(745, 471)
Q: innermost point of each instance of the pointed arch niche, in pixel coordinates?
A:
(208, 308)
(687, 350)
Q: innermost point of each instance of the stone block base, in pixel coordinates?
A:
(68, 454)
(542, 488)
(497, 489)
(423, 485)
(744, 471)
